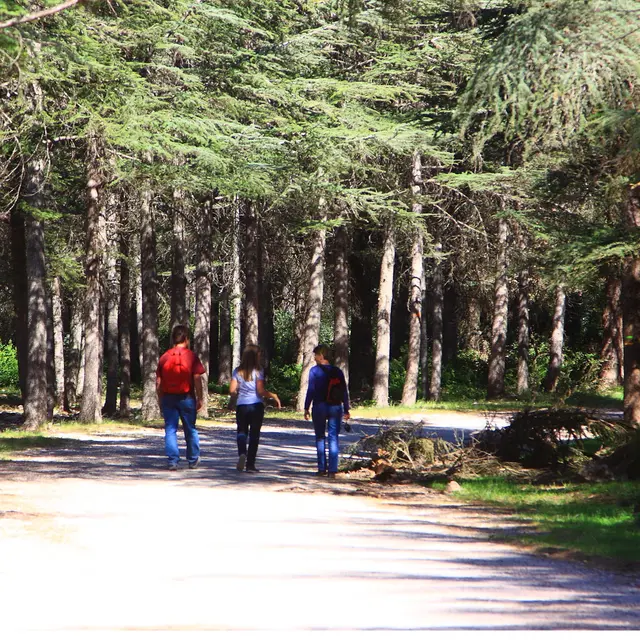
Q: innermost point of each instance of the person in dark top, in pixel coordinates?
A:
(327, 392)
(179, 388)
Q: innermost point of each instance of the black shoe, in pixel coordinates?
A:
(252, 470)
(195, 464)
(321, 473)
(331, 476)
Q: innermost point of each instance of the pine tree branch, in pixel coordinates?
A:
(30, 17)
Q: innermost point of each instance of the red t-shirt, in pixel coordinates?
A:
(176, 369)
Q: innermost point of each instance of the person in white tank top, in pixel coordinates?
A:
(248, 391)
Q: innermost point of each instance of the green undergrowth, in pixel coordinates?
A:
(598, 521)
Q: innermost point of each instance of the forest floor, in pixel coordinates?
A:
(96, 535)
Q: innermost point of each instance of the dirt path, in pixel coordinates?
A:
(99, 536)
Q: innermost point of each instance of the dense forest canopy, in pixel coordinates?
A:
(444, 190)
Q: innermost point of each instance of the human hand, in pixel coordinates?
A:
(306, 415)
(198, 404)
(347, 415)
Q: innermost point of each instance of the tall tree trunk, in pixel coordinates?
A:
(214, 334)
(203, 303)
(315, 292)
(36, 406)
(225, 358)
(341, 303)
(236, 295)
(424, 350)
(612, 351)
(250, 269)
(124, 325)
(111, 301)
(385, 299)
(58, 340)
(631, 314)
(20, 291)
(150, 346)
(90, 406)
(523, 334)
(416, 288)
(471, 337)
(437, 325)
(556, 343)
(52, 399)
(74, 359)
(138, 307)
(300, 314)
(179, 310)
(267, 330)
(498, 355)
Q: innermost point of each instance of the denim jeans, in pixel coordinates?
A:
(249, 422)
(180, 407)
(326, 422)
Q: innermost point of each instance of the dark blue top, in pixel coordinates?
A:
(318, 383)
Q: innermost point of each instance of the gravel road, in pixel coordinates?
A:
(98, 536)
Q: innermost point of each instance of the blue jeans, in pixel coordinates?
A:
(326, 422)
(249, 422)
(180, 407)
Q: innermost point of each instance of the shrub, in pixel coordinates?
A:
(8, 366)
(465, 377)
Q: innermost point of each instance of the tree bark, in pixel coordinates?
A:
(20, 297)
(111, 300)
(179, 311)
(58, 341)
(556, 343)
(225, 357)
(150, 346)
(522, 387)
(416, 289)
(266, 330)
(385, 299)
(315, 292)
(214, 334)
(203, 303)
(437, 325)
(36, 406)
(250, 261)
(341, 303)
(124, 325)
(498, 355)
(236, 295)
(631, 314)
(74, 357)
(138, 307)
(424, 350)
(612, 350)
(300, 314)
(90, 405)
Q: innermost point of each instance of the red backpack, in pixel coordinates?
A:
(176, 372)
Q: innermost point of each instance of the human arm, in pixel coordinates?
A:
(263, 393)
(309, 397)
(233, 392)
(159, 388)
(345, 399)
(197, 387)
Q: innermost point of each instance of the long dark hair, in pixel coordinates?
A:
(249, 362)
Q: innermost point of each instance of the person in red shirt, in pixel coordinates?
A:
(179, 388)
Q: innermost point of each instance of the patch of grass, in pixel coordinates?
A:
(12, 441)
(596, 520)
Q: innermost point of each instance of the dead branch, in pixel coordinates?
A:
(30, 17)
